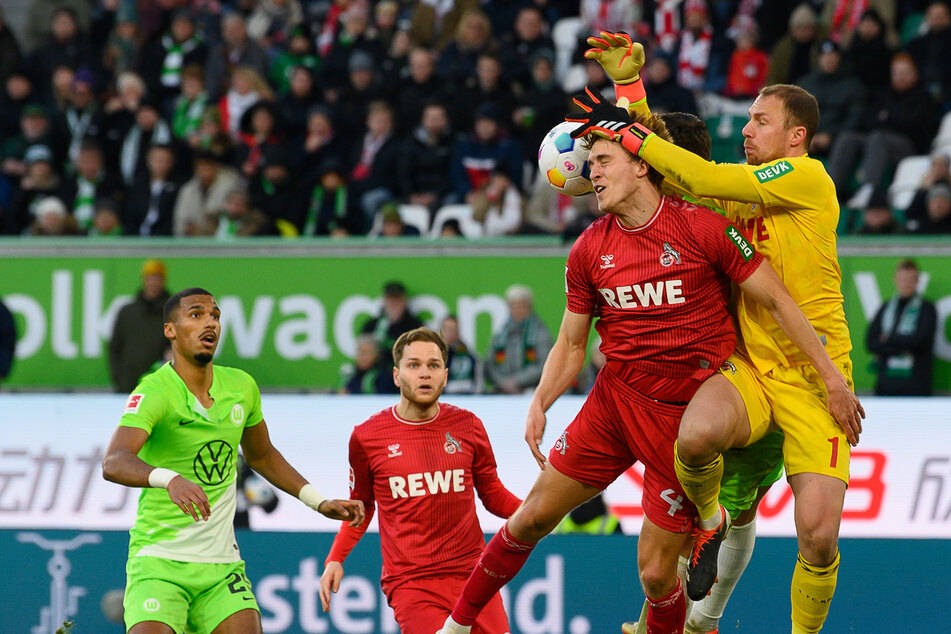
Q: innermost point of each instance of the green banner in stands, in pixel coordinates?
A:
(292, 321)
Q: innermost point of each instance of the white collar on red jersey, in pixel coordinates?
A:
(414, 422)
(646, 225)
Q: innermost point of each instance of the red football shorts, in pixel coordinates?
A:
(422, 605)
(616, 427)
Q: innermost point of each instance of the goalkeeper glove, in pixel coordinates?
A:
(622, 59)
(607, 121)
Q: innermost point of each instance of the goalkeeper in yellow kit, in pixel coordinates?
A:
(786, 203)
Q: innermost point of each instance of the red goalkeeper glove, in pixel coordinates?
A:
(608, 121)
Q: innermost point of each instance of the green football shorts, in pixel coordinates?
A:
(747, 469)
(184, 594)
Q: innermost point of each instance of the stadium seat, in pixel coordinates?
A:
(565, 36)
(907, 178)
(573, 79)
(463, 213)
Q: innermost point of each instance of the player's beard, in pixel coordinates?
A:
(203, 358)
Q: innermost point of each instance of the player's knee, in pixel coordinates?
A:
(818, 543)
(528, 525)
(657, 580)
(697, 443)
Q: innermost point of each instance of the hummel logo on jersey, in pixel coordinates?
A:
(606, 262)
(669, 256)
(394, 450)
(452, 445)
(728, 366)
(561, 445)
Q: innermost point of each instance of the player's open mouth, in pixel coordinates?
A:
(208, 337)
(598, 189)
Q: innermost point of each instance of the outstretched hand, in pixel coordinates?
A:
(619, 56)
(599, 116)
(330, 582)
(343, 510)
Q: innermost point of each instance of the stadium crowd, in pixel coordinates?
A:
(330, 117)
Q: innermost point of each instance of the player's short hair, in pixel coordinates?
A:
(801, 107)
(908, 265)
(653, 123)
(419, 334)
(689, 132)
(175, 301)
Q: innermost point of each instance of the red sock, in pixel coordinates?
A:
(667, 615)
(501, 560)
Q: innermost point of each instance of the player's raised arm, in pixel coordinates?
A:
(122, 465)
(768, 290)
(564, 362)
(262, 456)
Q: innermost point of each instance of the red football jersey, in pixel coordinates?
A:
(424, 476)
(660, 291)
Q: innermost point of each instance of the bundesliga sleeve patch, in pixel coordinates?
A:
(132, 405)
(773, 171)
(746, 250)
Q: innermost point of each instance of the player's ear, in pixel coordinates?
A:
(169, 328)
(396, 376)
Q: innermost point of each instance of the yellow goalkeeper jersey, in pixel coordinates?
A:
(788, 209)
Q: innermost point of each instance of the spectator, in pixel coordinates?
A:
(374, 176)
(149, 128)
(52, 219)
(259, 132)
(355, 37)
(235, 51)
(328, 209)
(898, 122)
(39, 181)
(17, 94)
(34, 130)
(8, 341)
(190, 105)
(202, 198)
(748, 65)
(82, 117)
(213, 137)
(797, 52)
(351, 103)
(150, 204)
(240, 219)
(9, 52)
(486, 87)
(518, 350)
(274, 188)
(392, 223)
(121, 46)
(932, 49)
(543, 105)
(473, 37)
(320, 143)
(120, 111)
(294, 105)
(275, 20)
(395, 318)
(92, 182)
(66, 46)
(520, 46)
(938, 172)
(844, 16)
(138, 336)
(450, 229)
(666, 94)
(869, 51)
(877, 218)
(164, 59)
(548, 211)
(484, 154)
(901, 336)
(299, 54)
(694, 47)
(465, 367)
(386, 16)
(610, 15)
(40, 20)
(247, 88)
(425, 159)
(421, 86)
(364, 375)
(937, 219)
(840, 96)
(434, 24)
(106, 221)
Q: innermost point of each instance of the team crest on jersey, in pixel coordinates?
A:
(237, 414)
(561, 445)
(132, 405)
(669, 256)
(452, 445)
(394, 450)
(728, 366)
(607, 262)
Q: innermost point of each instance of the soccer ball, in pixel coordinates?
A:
(564, 161)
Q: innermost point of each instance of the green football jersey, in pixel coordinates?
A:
(199, 444)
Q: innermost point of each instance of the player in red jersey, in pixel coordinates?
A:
(656, 272)
(422, 461)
